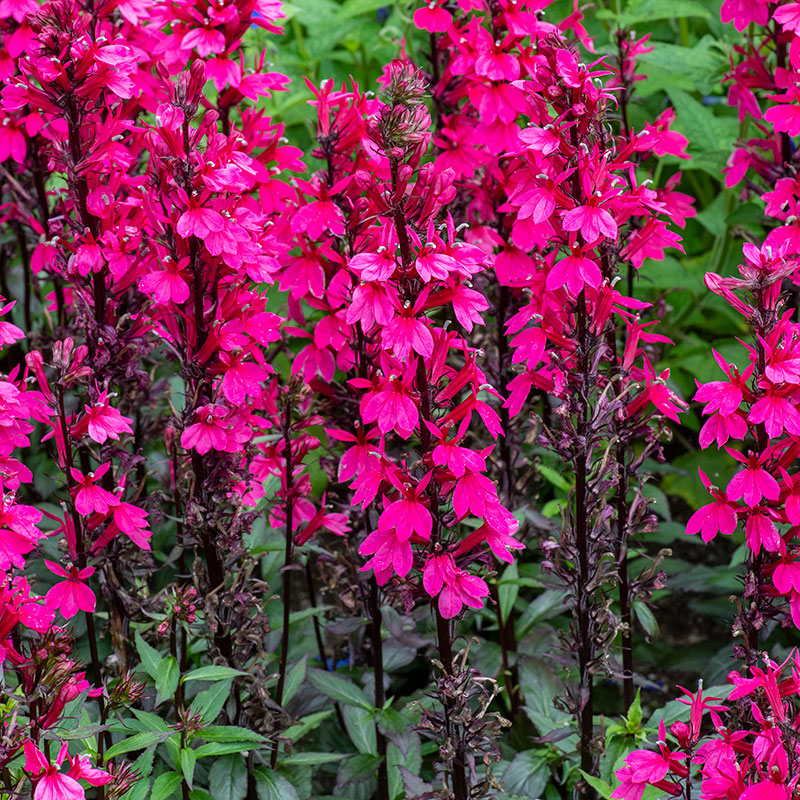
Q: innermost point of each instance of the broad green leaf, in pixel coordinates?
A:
(361, 729)
(355, 8)
(601, 787)
(230, 733)
(151, 658)
(652, 10)
(165, 785)
(228, 778)
(411, 759)
(310, 758)
(507, 591)
(209, 702)
(294, 679)
(554, 477)
(212, 673)
(153, 721)
(273, 786)
(167, 677)
(527, 774)
(306, 725)
(547, 605)
(223, 748)
(188, 760)
(338, 688)
(646, 619)
(139, 741)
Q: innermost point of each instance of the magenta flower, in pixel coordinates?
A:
(433, 18)
(102, 422)
(716, 517)
(456, 588)
(592, 221)
(90, 497)
(754, 481)
(70, 595)
(391, 553)
(51, 784)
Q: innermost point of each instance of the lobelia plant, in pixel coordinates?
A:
(385, 275)
(562, 213)
(281, 457)
(753, 404)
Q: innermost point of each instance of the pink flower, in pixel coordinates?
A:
(198, 220)
(714, 518)
(592, 221)
(785, 117)
(753, 482)
(433, 18)
(168, 284)
(89, 497)
(406, 333)
(390, 553)
(71, 595)
(54, 785)
(391, 406)
(776, 412)
(102, 422)
(456, 588)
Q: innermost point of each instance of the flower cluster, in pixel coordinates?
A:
(754, 761)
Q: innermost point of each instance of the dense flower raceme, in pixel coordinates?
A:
(763, 87)
(33, 647)
(560, 209)
(730, 761)
(384, 276)
(155, 258)
(752, 413)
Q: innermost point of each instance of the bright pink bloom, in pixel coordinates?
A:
(90, 497)
(71, 595)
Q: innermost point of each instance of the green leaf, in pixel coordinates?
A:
(527, 774)
(358, 768)
(339, 689)
(652, 10)
(710, 137)
(188, 760)
(310, 758)
(507, 591)
(167, 677)
(165, 785)
(634, 716)
(360, 729)
(153, 721)
(228, 778)
(553, 477)
(223, 748)
(212, 673)
(548, 604)
(294, 679)
(601, 787)
(151, 658)
(391, 723)
(138, 741)
(306, 725)
(231, 733)
(273, 786)
(209, 703)
(646, 619)
(357, 8)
